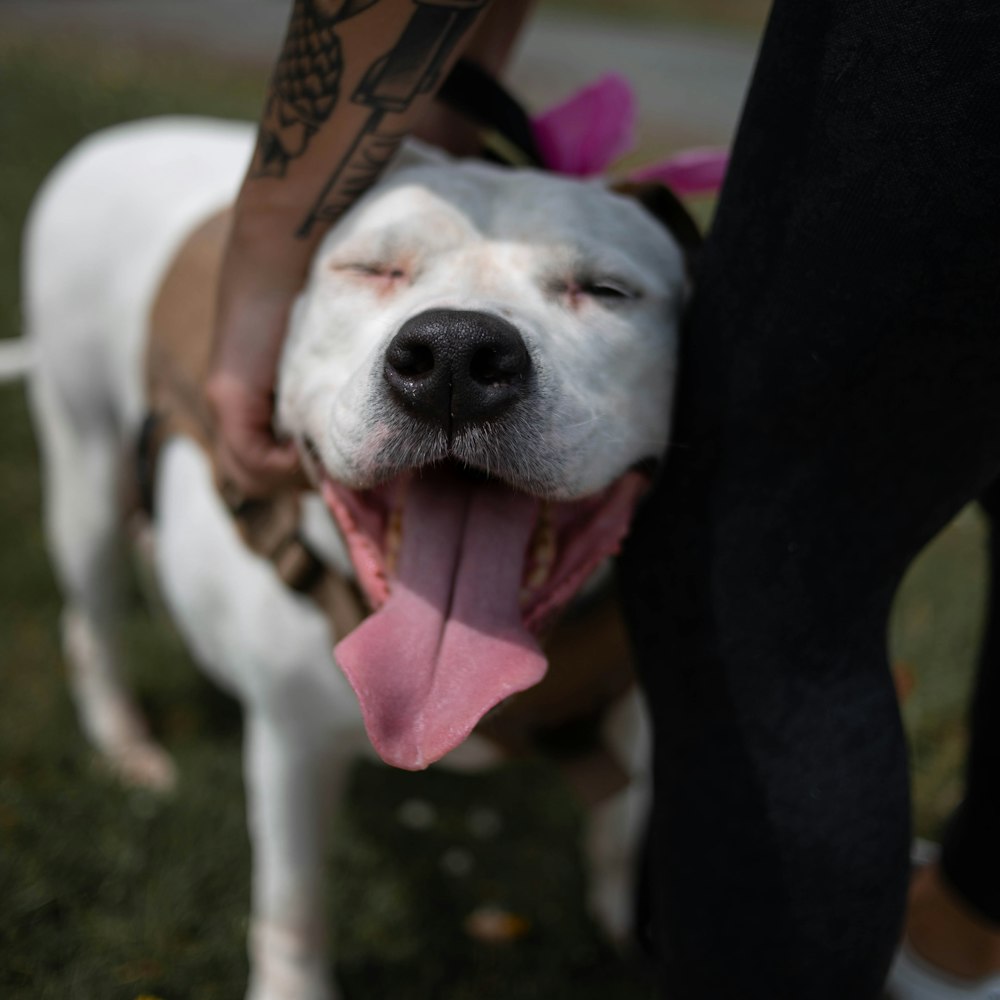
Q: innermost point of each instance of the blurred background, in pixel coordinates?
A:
(115, 893)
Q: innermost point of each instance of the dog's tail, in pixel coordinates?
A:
(17, 359)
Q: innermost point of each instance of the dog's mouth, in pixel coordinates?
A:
(462, 572)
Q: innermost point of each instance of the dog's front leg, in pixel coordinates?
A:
(291, 786)
(615, 826)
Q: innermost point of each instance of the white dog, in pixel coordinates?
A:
(479, 363)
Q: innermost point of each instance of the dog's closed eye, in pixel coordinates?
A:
(376, 270)
(608, 288)
(609, 291)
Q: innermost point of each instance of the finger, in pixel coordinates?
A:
(247, 452)
(257, 464)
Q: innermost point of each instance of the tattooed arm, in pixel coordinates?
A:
(353, 79)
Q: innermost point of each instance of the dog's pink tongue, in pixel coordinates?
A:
(448, 644)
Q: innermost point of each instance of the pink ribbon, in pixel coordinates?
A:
(585, 134)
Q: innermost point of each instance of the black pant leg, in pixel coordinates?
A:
(839, 401)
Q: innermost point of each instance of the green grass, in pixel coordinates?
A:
(935, 634)
(109, 893)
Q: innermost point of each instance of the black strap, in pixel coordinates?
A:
(146, 454)
(472, 92)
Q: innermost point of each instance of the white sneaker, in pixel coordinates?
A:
(912, 978)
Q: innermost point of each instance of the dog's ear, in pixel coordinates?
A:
(665, 206)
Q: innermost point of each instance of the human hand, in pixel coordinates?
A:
(255, 298)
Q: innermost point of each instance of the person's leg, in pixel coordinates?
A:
(839, 401)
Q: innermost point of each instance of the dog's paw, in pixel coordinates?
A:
(265, 991)
(611, 905)
(283, 966)
(143, 764)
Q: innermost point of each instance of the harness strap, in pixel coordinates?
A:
(508, 136)
(178, 356)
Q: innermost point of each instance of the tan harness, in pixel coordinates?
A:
(587, 649)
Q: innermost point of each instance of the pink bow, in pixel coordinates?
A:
(583, 135)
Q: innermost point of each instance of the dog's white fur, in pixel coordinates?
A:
(589, 279)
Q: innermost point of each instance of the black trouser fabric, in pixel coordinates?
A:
(839, 402)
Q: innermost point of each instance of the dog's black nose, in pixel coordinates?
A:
(456, 367)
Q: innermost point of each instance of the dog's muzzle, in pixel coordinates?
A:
(454, 367)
